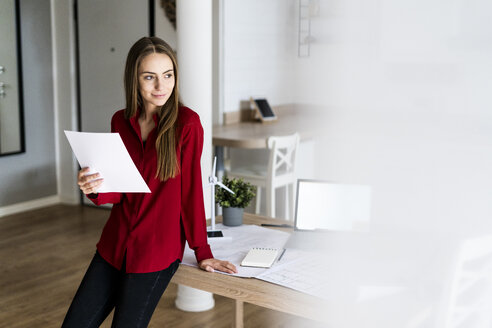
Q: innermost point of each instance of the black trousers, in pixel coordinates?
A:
(134, 296)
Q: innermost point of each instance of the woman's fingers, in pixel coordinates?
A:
(88, 183)
(82, 172)
(228, 267)
(88, 178)
(206, 265)
(211, 265)
(225, 266)
(92, 186)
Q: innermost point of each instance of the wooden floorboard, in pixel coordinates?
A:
(44, 254)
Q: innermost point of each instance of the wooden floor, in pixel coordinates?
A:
(44, 254)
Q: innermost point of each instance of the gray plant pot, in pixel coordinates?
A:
(232, 216)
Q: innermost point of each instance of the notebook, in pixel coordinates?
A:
(260, 257)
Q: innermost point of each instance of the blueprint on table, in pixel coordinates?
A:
(236, 243)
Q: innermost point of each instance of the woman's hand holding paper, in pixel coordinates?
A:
(88, 183)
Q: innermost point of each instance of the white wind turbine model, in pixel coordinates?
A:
(212, 182)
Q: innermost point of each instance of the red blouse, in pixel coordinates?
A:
(152, 227)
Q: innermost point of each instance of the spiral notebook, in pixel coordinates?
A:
(260, 257)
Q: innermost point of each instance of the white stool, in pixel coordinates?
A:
(193, 300)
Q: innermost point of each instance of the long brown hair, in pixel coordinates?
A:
(166, 142)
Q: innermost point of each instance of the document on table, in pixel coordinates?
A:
(302, 271)
(312, 274)
(299, 270)
(237, 242)
(106, 153)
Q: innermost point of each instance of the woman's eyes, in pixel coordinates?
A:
(151, 77)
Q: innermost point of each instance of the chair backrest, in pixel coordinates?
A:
(282, 160)
(468, 298)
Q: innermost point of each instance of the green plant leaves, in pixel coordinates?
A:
(244, 192)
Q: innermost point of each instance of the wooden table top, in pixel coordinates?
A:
(254, 134)
(250, 290)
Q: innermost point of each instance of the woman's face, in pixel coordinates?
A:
(155, 80)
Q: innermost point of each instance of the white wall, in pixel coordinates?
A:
(258, 50)
(406, 86)
(32, 175)
(65, 92)
(163, 27)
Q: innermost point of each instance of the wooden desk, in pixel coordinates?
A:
(303, 119)
(251, 290)
(253, 134)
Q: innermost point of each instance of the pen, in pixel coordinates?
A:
(276, 225)
(281, 254)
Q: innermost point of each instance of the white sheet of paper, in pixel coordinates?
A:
(105, 153)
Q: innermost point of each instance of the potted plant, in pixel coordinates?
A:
(233, 204)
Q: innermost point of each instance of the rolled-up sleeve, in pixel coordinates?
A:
(192, 206)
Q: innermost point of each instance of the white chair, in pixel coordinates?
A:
(280, 172)
(468, 298)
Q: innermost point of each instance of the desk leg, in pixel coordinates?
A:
(239, 314)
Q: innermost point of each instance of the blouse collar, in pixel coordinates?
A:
(134, 121)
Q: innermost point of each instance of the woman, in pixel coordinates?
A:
(143, 240)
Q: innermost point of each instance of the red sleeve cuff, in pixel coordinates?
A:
(94, 197)
(105, 198)
(203, 253)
